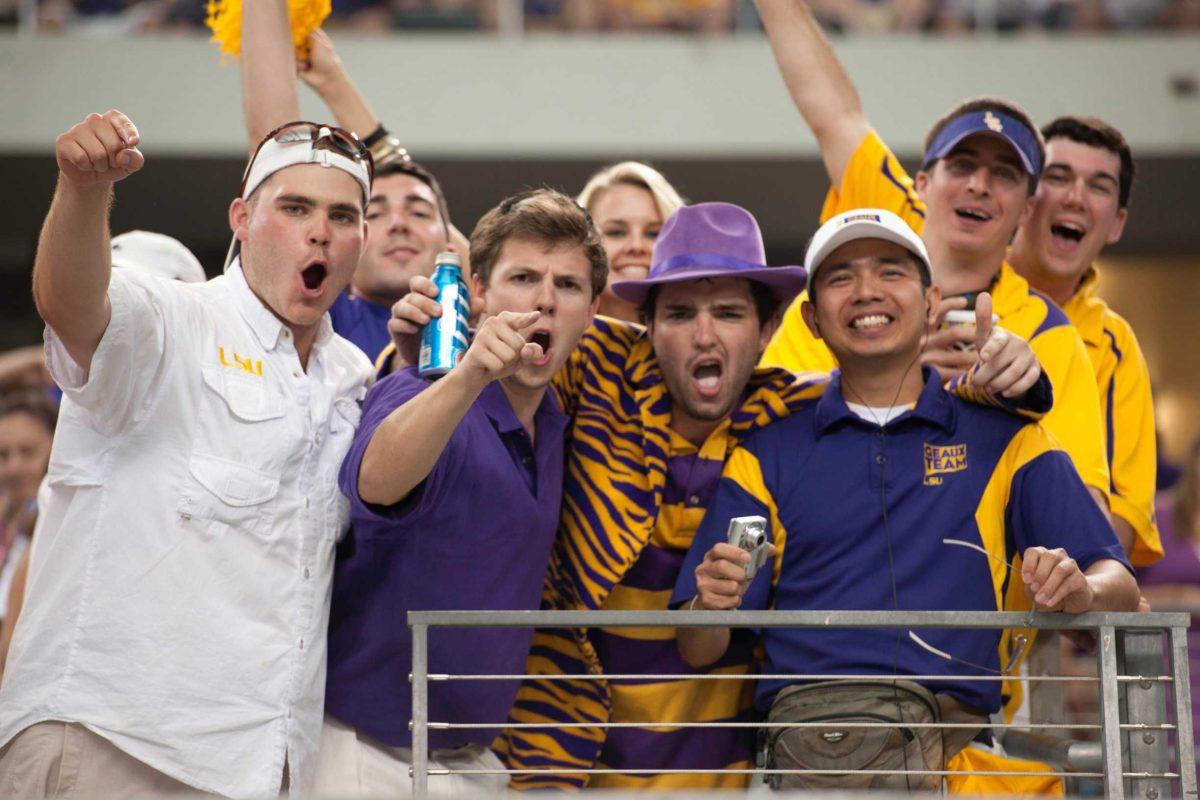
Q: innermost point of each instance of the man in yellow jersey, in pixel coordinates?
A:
(1081, 205)
(981, 165)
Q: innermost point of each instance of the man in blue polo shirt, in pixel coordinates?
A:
(455, 488)
(880, 496)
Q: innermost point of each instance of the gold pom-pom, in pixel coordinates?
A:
(225, 21)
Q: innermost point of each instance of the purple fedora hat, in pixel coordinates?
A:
(711, 240)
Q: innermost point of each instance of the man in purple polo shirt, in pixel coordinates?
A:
(424, 535)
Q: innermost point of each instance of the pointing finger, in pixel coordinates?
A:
(983, 319)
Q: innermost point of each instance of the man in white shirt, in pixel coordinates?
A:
(173, 635)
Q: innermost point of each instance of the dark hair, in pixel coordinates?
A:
(1095, 132)
(34, 402)
(766, 305)
(406, 166)
(987, 103)
(541, 215)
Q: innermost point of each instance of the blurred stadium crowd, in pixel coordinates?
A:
(707, 16)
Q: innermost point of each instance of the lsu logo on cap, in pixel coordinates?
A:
(993, 122)
(942, 460)
(861, 218)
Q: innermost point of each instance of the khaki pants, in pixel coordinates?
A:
(64, 759)
(351, 765)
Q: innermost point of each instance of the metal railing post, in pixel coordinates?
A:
(1110, 713)
(420, 710)
(1185, 744)
(1141, 653)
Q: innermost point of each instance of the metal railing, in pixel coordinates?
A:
(1135, 670)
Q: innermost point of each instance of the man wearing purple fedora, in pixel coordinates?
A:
(655, 412)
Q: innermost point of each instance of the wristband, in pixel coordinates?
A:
(374, 136)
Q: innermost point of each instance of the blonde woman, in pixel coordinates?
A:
(629, 203)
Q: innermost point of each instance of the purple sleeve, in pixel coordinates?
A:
(1052, 508)
(385, 397)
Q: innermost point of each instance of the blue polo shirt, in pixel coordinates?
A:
(823, 478)
(475, 534)
(361, 321)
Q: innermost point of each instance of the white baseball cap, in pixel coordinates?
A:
(863, 223)
(305, 143)
(156, 254)
(309, 143)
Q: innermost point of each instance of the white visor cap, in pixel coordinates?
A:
(156, 254)
(863, 223)
(275, 155)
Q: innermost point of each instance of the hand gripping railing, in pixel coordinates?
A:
(1134, 758)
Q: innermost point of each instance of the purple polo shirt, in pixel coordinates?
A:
(474, 535)
(362, 322)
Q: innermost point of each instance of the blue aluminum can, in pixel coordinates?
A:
(444, 340)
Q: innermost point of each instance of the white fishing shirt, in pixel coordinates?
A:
(178, 598)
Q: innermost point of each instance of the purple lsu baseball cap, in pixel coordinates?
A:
(711, 240)
(993, 123)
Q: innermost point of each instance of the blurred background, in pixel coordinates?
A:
(498, 95)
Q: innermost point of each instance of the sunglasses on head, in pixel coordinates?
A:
(322, 137)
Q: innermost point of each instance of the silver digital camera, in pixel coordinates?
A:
(750, 534)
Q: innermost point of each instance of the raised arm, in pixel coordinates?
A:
(408, 443)
(327, 76)
(817, 81)
(74, 263)
(269, 95)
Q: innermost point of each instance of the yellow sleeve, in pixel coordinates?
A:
(874, 178)
(1074, 421)
(744, 470)
(793, 346)
(1129, 432)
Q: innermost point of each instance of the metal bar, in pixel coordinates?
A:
(591, 676)
(420, 711)
(447, 726)
(1185, 744)
(768, 772)
(1145, 702)
(1110, 713)
(801, 619)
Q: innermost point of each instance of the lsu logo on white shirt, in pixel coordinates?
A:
(247, 365)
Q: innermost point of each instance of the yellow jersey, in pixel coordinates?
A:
(874, 178)
(1126, 411)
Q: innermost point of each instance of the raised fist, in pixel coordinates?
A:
(100, 150)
